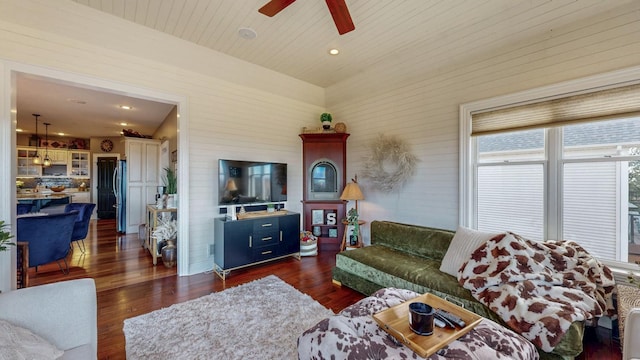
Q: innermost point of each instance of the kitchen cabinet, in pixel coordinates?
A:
(80, 197)
(70, 163)
(26, 167)
(241, 243)
(57, 157)
(143, 178)
(78, 163)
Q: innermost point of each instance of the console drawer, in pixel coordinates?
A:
(265, 252)
(265, 224)
(266, 238)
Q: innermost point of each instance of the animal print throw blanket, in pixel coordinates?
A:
(538, 288)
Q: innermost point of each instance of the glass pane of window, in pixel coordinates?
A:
(601, 138)
(591, 202)
(511, 198)
(634, 211)
(513, 146)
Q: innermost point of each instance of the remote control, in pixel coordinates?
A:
(451, 317)
(444, 321)
(439, 323)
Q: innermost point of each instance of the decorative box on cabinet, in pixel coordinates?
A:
(240, 243)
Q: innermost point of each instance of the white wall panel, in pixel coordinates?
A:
(417, 100)
(258, 116)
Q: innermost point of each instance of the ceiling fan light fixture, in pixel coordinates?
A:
(126, 107)
(247, 33)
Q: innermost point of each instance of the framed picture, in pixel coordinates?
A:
(333, 232)
(317, 217)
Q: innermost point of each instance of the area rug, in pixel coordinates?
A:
(261, 319)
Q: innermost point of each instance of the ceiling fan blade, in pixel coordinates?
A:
(274, 6)
(341, 16)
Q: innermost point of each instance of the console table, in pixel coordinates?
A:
(254, 240)
(151, 243)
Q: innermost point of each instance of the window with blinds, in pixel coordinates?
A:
(563, 168)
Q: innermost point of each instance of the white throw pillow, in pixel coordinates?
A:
(464, 242)
(17, 343)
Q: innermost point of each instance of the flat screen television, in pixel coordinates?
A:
(251, 182)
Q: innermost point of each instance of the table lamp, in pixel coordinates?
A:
(352, 192)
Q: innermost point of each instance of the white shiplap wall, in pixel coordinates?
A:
(257, 117)
(419, 104)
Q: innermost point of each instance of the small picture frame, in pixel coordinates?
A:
(317, 217)
(333, 232)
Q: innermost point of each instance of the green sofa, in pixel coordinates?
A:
(409, 257)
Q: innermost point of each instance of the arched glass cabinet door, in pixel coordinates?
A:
(324, 178)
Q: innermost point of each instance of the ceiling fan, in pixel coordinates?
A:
(338, 9)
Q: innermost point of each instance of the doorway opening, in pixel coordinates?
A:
(108, 88)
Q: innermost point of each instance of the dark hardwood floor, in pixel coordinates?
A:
(129, 285)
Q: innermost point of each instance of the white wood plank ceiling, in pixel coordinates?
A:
(296, 41)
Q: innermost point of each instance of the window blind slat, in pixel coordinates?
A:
(598, 105)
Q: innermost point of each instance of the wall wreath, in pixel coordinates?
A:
(389, 164)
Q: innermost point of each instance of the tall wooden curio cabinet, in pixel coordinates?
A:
(324, 158)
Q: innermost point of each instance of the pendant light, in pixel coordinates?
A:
(36, 157)
(46, 162)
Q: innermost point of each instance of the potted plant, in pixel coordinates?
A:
(325, 119)
(170, 181)
(166, 234)
(5, 236)
(171, 187)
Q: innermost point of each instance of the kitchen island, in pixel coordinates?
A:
(39, 201)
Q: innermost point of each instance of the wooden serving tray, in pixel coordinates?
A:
(395, 321)
(261, 213)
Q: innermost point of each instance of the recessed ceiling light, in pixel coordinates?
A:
(61, 133)
(123, 124)
(334, 51)
(18, 130)
(126, 107)
(247, 33)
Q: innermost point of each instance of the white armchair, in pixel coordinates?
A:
(631, 346)
(64, 314)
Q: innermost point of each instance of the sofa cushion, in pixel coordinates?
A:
(464, 242)
(417, 240)
(18, 343)
(391, 268)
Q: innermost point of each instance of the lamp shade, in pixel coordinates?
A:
(231, 185)
(352, 192)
